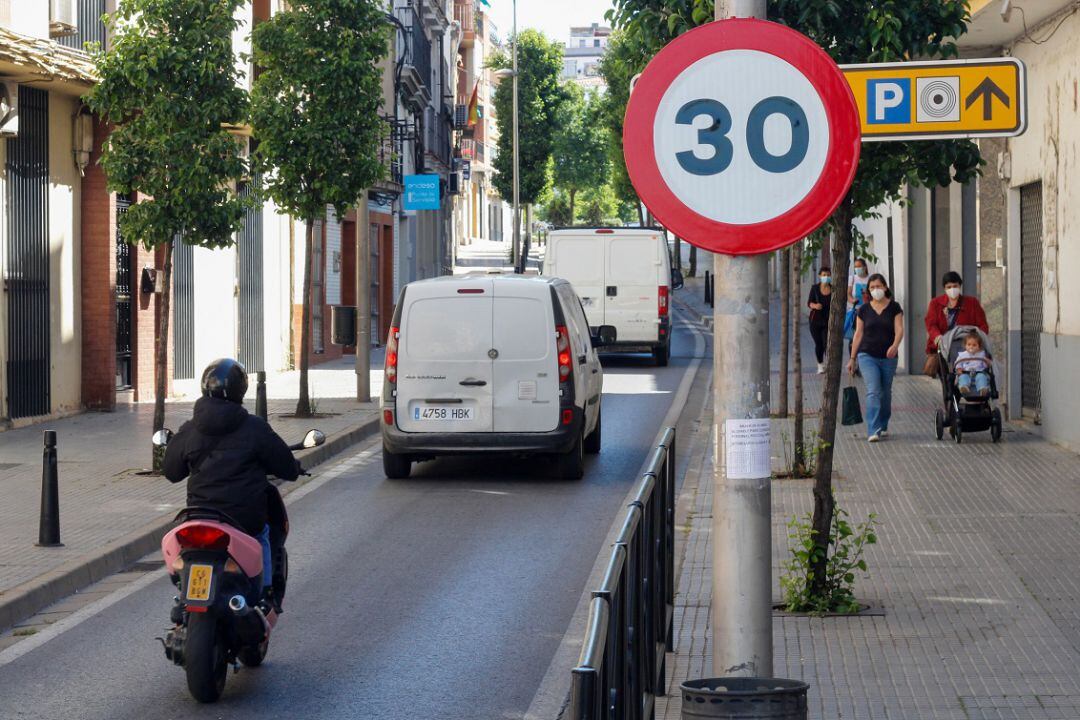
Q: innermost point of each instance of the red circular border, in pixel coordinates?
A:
(841, 159)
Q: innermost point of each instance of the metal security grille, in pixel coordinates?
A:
(318, 281)
(249, 259)
(183, 310)
(27, 277)
(124, 290)
(91, 27)
(374, 267)
(1031, 297)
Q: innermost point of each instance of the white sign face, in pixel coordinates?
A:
(741, 137)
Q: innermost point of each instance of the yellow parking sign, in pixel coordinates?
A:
(935, 100)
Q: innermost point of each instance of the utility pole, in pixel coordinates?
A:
(742, 510)
(363, 300)
(516, 253)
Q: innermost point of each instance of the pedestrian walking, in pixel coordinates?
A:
(819, 302)
(945, 312)
(879, 328)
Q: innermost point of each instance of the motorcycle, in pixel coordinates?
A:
(220, 617)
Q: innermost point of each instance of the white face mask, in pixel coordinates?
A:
(953, 292)
(877, 293)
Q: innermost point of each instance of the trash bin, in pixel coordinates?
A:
(343, 324)
(738, 698)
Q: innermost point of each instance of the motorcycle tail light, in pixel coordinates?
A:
(202, 537)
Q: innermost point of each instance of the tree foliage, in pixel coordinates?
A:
(579, 152)
(623, 59)
(853, 31)
(540, 97)
(169, 88)
(556, 210)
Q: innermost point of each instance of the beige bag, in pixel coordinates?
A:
(932, 366)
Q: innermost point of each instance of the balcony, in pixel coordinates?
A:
(434, 15)
(437, 126)
(416, 66)
(391, 152)
(89, 27)
(465, 14)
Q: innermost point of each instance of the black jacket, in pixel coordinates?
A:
(228, 454)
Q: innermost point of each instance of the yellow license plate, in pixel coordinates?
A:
(199, 579)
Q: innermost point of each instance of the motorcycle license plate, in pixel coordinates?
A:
(200, 578)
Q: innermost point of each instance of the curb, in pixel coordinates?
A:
(26, 599)
(705, 320)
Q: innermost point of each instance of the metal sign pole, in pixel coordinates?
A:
(742, 497)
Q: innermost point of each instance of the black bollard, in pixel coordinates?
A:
(708, 289)
(260, 394)
(49, 524)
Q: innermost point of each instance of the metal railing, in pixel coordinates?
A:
(622, 665)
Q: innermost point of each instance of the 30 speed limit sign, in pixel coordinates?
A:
(741, 136)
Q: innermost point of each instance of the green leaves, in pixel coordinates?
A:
(315, 103)
(169, 84)
(579, 145)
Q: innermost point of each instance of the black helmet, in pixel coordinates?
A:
(225, 378)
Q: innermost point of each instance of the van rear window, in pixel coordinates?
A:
(448, 328)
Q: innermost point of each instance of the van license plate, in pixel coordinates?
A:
(199, 580)
(442, 413)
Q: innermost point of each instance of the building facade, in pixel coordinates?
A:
(581, 56)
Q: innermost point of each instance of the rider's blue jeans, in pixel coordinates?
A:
(268, 566)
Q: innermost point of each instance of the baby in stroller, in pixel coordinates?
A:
(972, 366)
(968, 387)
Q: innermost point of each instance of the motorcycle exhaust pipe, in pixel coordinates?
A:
(250, 624)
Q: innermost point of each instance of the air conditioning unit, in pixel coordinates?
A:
(9, 109)
(461, 117)
(63, 18)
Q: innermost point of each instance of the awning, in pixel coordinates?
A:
(28, 59)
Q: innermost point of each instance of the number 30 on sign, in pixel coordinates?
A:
(741, 136)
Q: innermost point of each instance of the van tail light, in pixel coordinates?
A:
(202, 537)
(391, 355)
(662, 301)
(562, 345)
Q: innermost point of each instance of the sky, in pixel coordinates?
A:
(553, 17)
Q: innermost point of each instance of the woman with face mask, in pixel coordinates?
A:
(819, 303)
(951, 309)
(856, 283)
(879, 328)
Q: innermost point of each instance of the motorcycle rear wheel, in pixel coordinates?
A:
(205, 658)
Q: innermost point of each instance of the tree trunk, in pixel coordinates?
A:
(693, 261)
(303, 402)
(785, 330)
(527, 240)
(678, 253)
(161, 355)
(640, 214)
(798, 466)
(834, 367)
(573, 194)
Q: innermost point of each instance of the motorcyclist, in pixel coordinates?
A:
(226, 455)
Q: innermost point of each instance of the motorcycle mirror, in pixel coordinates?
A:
(162, 437)
(314, 438)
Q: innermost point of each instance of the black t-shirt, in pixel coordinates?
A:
(879, 330)
(819, 317)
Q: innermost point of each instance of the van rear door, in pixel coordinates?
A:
(580, 259)
(632, 303)
(525, 371)
(444, 367)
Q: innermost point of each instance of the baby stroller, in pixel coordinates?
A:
(965, 413)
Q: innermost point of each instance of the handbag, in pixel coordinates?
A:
(932, 366)
(852, 413)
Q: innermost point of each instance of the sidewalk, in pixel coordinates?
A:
(976, 572)
(109, 514)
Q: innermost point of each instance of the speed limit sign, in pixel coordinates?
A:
(741, 136)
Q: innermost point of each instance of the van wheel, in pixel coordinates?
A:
(395, 465)
(662, 354)
(570, 465)
(592, 440)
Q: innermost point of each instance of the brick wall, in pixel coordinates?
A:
(98, 291)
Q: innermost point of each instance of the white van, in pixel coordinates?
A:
(624, 278)
(491, 363)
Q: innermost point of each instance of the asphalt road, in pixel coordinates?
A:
(442, 596)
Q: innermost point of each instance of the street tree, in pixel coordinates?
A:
(579, 152)
(854, 31)
(315, 114)
(169, 88)
(540, 97)
(623, 59)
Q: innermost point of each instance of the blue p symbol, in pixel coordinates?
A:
(416, 413)
(888, 102)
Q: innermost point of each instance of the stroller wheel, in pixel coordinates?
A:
(957, 433)
(995, 425)
(939, 423)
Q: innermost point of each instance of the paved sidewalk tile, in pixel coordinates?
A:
(102, 499)
(976, 571)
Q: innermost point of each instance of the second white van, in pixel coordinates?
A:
(624, 279)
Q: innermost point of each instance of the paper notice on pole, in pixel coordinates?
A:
(746, 449)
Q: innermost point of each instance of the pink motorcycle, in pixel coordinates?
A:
(220, 618)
